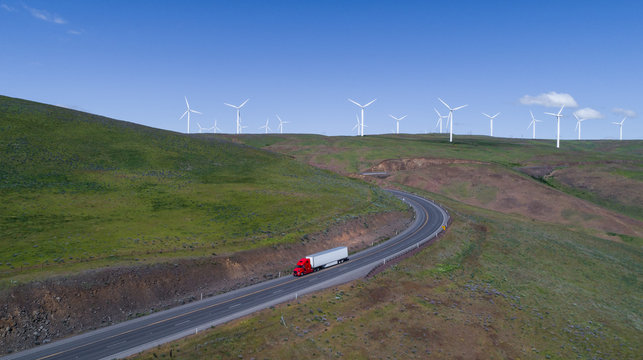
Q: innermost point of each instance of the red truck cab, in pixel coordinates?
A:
(303, 267)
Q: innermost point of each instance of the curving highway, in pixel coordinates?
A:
(133, 336)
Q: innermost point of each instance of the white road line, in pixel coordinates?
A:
(234, 305)
(116, 344)
(182, 322)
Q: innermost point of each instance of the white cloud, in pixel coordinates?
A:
(7, 7)
(628, 113)
(45, 15)
(550, 99)
(74, 32)
(588, 113)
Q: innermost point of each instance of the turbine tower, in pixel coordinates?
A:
(188, 111)
(620, 124)
(265, 126)
(356, 125)
(578, 121)
(491, 121)
(533, 123)
(398, 122)
(558, 116)
(440, 117)
(281, 124)
(362, 107)
(450, 119)
(238, 114)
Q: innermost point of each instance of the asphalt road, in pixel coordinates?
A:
(133, 336)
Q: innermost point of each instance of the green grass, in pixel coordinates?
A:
(606, 158)
(82, 191)
(359, 153)
(493, 287)
(497, 285)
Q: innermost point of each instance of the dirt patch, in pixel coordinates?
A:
(537, 172)
(40, 312)
(497, 188)
(604, 182)
(392, 165)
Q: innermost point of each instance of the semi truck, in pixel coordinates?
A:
(321, 260)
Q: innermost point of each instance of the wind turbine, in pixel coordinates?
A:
(491, 121)
(238, 114)
(533, 123)
(356, 125)
(440, 117)
(450, 119)
(215, 128)
(281, 124)
(398, 122)
(620, 124)
(201, 128)
(265, 126)
(188, 111)
(558, 116)
(362, 107)
(578, 121)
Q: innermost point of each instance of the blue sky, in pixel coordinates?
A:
(136, 60)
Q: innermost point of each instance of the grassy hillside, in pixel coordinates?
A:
(83, 191)
(527, 270)
(606, 172)
(494, 287)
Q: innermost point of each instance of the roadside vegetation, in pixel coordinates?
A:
(495, 286)
(543, 259)
(81, 191)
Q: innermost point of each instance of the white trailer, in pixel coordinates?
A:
(328, 258)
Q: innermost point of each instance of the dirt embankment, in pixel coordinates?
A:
(40, 312)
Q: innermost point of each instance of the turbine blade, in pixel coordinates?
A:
(496, 115)
(186, 102)
(186, 111)
(561, 109)
(240, 106)
(230, 105)
(532, 115)
(354, 102)
(487, 116)
(402, 118)
(194, 111)
(445, 104)
(460, 107)
(370, 103)
(437, 112)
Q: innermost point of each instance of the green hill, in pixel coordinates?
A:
(543, 259)
(83, 191)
